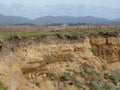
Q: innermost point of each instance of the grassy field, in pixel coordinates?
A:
(6, 35)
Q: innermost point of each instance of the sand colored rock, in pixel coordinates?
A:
(107, 47)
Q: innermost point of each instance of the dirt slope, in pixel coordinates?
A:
(51, 63)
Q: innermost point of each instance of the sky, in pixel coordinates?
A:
(37, 8)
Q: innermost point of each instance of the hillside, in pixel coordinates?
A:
(56, 62)
(70, 19)
(11, 20)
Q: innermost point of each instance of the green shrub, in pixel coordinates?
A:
(109, 86)
(94, 52)
(114, 76)
(87, 69)
(61, 36)
(95, 85)
(78, 84)
(65, 77)
(51, 75)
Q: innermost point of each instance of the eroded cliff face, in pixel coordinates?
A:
(51, 63)
(107, 46)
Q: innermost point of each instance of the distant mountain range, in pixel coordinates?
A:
(11, 20)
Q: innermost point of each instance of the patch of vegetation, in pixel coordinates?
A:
(114, 76)
(60, 34)
(71, 70)
(76, 82)
(88, 69)
(100, 84)
(95, 85)
(105, 30)
(94, 52)
(65, 77)
(67, 65)
(2, 87)
(95, 82)
(62, 89)
(109, 86)
(51, 75)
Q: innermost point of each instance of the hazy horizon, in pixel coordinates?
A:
(109, 9)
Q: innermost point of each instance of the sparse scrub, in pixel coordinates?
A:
(114, 76)
(51, 75)
(95, 82)
(61, 36)
(88, 69)
(94, 52)
(76, 82)
(95, 85)
(71, 70)
(65, 77)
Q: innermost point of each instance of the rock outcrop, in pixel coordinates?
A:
(107, 46)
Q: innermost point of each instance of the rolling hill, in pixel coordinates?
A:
(11, 20)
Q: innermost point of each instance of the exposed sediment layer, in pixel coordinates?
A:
(38, 63)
